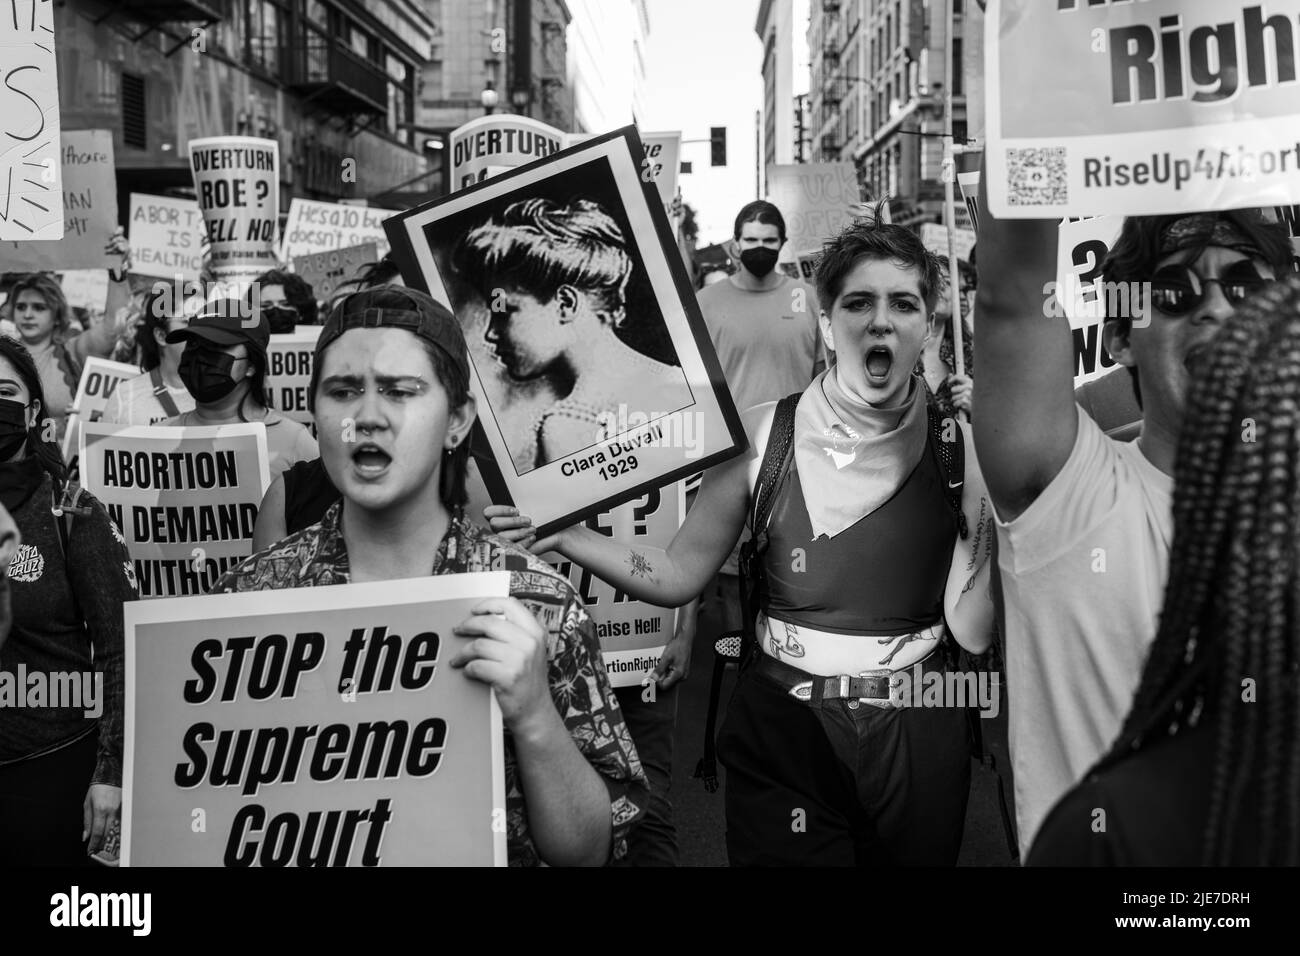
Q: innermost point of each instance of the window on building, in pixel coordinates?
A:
(135, 127)
(265, 21)
(957, 85)
(360, 41)
(400, 96)
(317, 13)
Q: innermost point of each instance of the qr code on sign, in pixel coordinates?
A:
(1037, 177)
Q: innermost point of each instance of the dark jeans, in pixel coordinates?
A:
(41, 804)
(653, 840)
(826, 784)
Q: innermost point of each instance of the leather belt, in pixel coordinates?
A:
(880, 688)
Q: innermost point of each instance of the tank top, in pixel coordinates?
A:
(308, 494)
(884, 575)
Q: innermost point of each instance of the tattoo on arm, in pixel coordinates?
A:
(640, 566)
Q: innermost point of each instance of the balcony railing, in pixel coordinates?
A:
(334, 76)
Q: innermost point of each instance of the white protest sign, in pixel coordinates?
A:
(31, 199)
(326, 226)
(89, 191)
(1086, 300)
(490, 144)
(1144, 108)
(288, 371)
(389, 766)
(817, 200)
(185, 498)
(167, 237)
(935, 238)
(632, 633)
(237, 181)
(85, 288)
(325, 272)
(99, 377)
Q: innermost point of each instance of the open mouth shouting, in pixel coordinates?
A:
(370, 460)
(879, 362)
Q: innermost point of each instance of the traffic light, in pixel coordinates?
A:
(718, 145)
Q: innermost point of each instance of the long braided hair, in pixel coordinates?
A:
(1228, 645)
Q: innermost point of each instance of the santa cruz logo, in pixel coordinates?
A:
(27, 565)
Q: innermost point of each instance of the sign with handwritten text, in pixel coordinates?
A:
(31, 205)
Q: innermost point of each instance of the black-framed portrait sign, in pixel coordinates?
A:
(592, 368)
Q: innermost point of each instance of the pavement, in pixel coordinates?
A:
(698, 814)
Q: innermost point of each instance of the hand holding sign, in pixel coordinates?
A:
(508, 652)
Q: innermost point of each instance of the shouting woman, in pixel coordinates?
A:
(390, 392)
(867, 569)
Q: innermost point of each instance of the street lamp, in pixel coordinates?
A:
(520, 98)
(489, 98)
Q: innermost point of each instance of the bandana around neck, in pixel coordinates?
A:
(851, 457)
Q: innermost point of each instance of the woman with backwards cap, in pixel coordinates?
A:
(393, 363)
(224, 368)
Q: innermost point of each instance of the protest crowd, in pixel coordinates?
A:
(895, 503)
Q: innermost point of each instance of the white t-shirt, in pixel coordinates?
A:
(287, 442)
(1083, 580)
(134, 403)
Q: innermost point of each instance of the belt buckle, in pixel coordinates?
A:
(895, 698)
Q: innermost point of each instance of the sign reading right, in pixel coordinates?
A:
(1118, 108)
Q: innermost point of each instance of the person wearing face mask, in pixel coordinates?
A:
(866, 567)
(286, 299)
(764, 328)
(60, 759)
(158, 394)
(224, 368)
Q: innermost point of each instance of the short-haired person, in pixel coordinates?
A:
(60, 764)
(224, 367)
(286, 299)
(1206, 768)
(393, 363)
(554, 277)
(867, 572)
(1084, 521)
(159, 393)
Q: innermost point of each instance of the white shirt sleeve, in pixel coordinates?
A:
(1076, 501)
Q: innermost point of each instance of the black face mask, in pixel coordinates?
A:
(280, 319)
(206, 374)
(759, 260)
(13, 427)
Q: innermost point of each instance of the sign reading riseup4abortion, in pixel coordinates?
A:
(1121, 108)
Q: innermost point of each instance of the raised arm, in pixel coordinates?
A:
(666, 577)
(1023, 408)
(671, 577)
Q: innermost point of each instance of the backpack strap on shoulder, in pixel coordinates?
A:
(776, 464)
(950, 447)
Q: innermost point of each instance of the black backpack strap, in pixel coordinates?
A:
(161, 393)
(771, 475)
(952, 460)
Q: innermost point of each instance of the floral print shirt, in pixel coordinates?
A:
(317, 556)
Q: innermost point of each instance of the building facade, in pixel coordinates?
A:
(607, 66)
(877, 95)
(330, 80)
(775, 29)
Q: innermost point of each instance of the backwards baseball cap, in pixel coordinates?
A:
(227, 322)
(396, 307)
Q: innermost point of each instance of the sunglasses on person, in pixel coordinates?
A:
(1178, 289)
